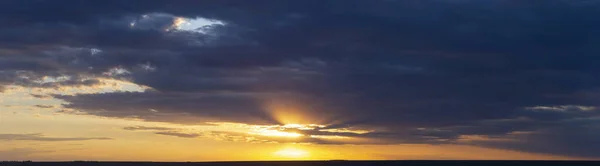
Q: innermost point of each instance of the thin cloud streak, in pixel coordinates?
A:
(41, 137)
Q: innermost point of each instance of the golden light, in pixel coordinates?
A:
(343, 130)
(302, 126)
(287, 111)
(292, 153)
(178, 22)
(329, 137)
(276, 133)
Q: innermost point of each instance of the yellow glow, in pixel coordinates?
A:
(302, 126)
(346, 131)
(275, 133)
(293, 125)
(287, 112)
(329, 137)
(178, 22)
(292, 153)
(17, 116)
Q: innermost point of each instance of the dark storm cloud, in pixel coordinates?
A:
(41, 137)
(414, 71)
(187, 108)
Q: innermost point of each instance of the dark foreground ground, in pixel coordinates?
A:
(315, 163)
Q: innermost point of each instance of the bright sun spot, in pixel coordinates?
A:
(292, 153)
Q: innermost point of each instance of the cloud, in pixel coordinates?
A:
(311, 134)
(134, 128)
(582, 141)
(44, 106)
(213, 106)
(164, 131)
(562, 108)
(40, 96)
(179, 134)
(41, 137)
(460, 68)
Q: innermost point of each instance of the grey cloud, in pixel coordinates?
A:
(582, 141)
(192, 108)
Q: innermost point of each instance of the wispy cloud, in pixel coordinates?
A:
(41, 137)
(179, 134)
(44, 106)
(562, 108)
(134, 128)
(41, 96)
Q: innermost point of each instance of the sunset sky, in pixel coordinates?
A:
(231, 80)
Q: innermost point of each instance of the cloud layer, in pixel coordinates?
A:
(41, 137)
(412, 71)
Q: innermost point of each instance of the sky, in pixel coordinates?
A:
(232, 80)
